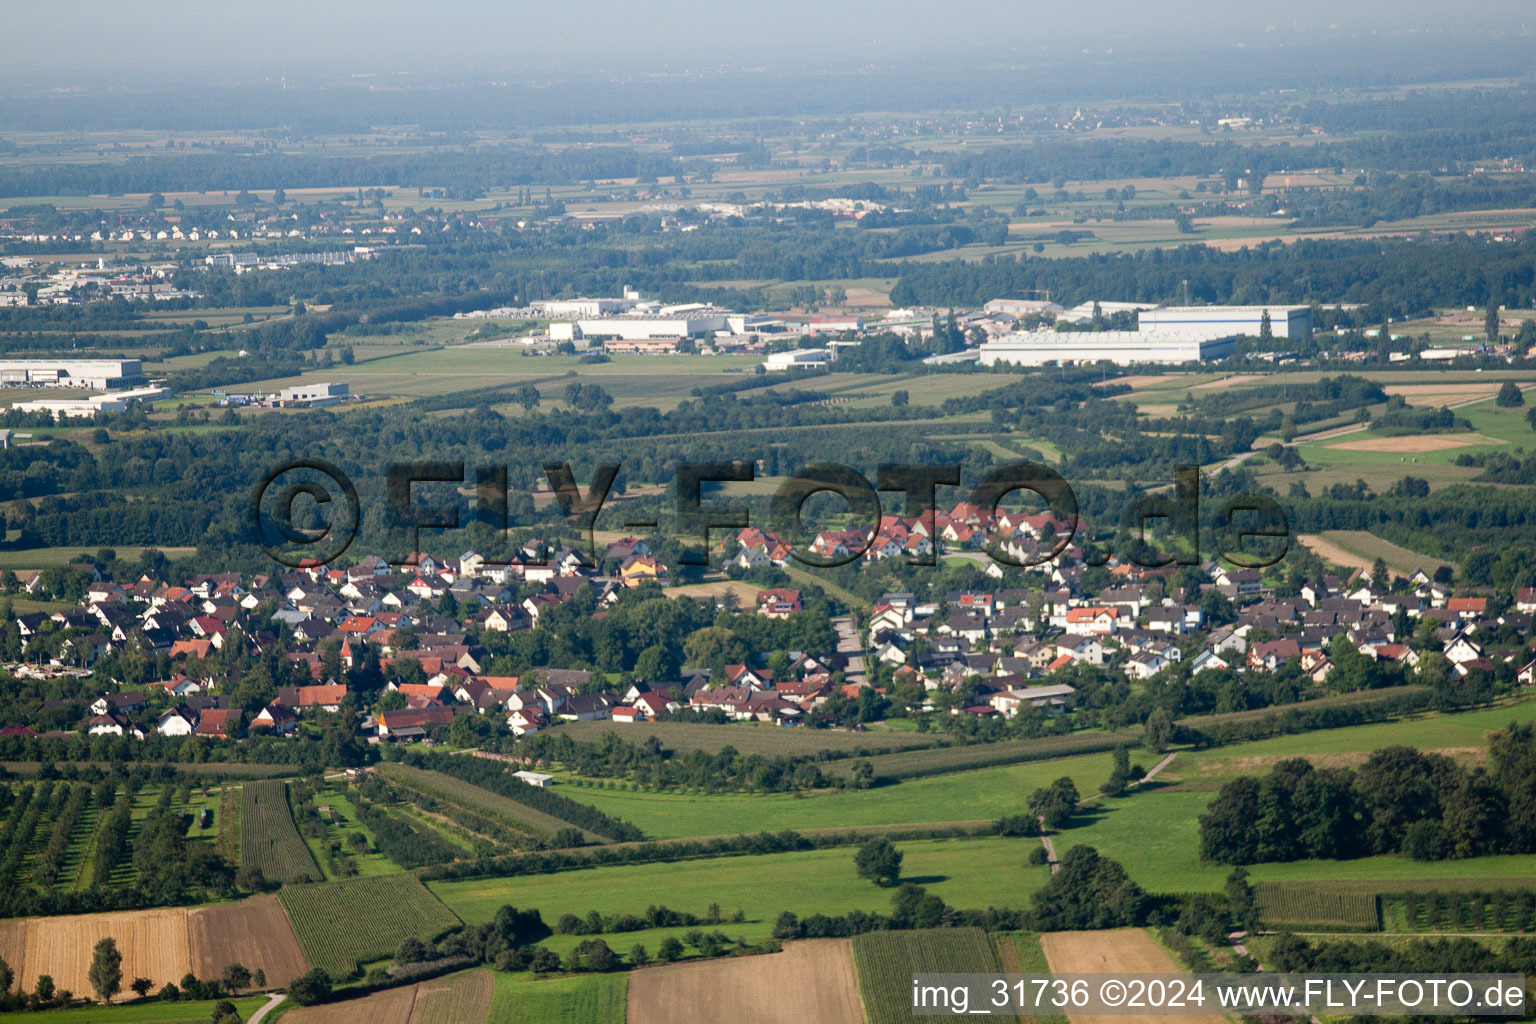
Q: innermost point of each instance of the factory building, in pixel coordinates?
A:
(321, 393)
(1221, 321)
(87, 408)
(95, 374)
(1123, 348)
(635, 326)
(799, 359)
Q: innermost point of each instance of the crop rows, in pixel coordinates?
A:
(343, 924)
(1299, 903)
(452, 790)
(886, 960)
(270, 841)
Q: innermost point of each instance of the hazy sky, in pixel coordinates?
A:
(78, 38)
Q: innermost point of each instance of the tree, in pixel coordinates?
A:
(106, 971)
(312, 988)
(259, 978)
(1088, 892)
(224, 1012)
(879, 861)
(1056, 803)
(1510, 396)
(671, 949)
(900, 398)
(141, 987)
(411, 951)
(45, 989)
(7, 976)
(1120, 775)
(1491, 321)
(1240, 897)
(237, 977)
(1266, 329)
(1158, 731)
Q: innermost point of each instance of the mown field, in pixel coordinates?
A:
(150, 1012)
(964, 796)
(748, 737)
(343, 924)
(809, 981)
(522, 998)
(965, 873)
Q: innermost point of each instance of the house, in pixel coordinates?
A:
(276, 718)
(1088, 621)
(625, 714)
(412, 723)
(220, 723)
(652, 704)
(1468, 607)
(177, 721)
(1269, 655)
(119, 703)
(1207, 659)
(778, 603)
(525, 721)
(1052, 698)
(110, 724)
(325, 697)
(641, 569)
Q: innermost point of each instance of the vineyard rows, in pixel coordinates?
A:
(343, 924)
(886, 960)
(1300, 904)
(269, 839)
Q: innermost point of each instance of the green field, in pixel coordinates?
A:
(963, 796)
(343, 924)
(1156, 835)
(148, 1012)
(522, 998)
(1458, 731)
(886, 961)
(47, 558)
(964, 872)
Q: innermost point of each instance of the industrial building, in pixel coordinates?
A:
(87, 408)
(799, 359)
(95, 374)
(1221, 321)
(1037, 348)
(633, 326)
(323, 393)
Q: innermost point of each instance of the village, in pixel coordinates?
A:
(980, 653)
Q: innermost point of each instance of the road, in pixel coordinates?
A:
(1164, 763)
(267, 1007)
(848, 645)
(1050, 848)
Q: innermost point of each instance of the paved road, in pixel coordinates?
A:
(266, 1008)
(848, 645)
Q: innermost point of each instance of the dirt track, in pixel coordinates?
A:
(1121, 951)
(811, 982)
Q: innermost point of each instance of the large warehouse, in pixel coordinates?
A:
(635, 326)
(1222, 321)
(1037, 348)
(96, 374)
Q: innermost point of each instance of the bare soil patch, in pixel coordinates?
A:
(1328, 551)
(809, 981)
(392, 1006)
(1414, 444)
(1120, 951)
(253, 932)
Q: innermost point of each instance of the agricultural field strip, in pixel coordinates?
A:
(341, 924)
(270, 840)
(476, 798)
(885, 962)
